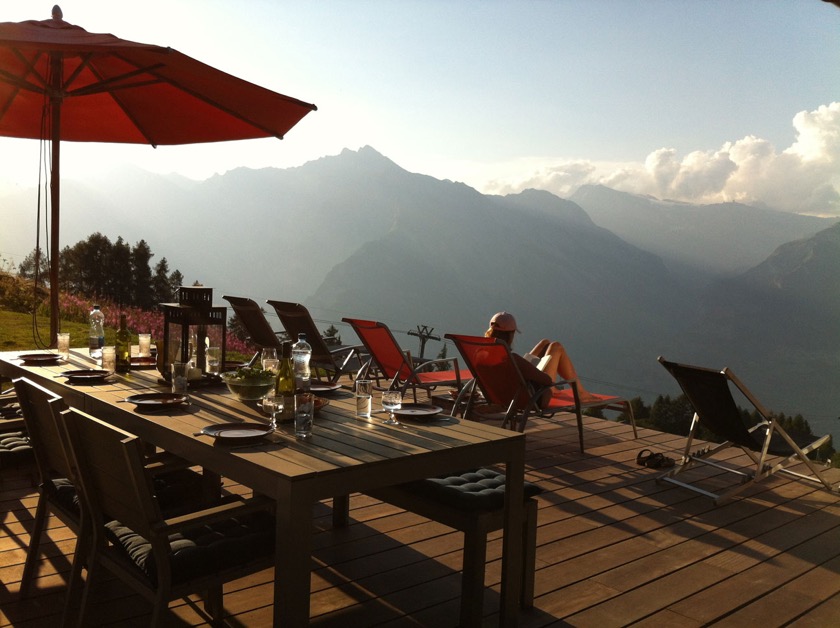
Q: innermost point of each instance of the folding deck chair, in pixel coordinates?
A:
(296, 320)
(709, 393)
(255, 323)
(397, 366)
(501, 382)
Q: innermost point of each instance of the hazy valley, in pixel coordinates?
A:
(618, 278)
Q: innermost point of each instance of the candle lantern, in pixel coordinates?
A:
(188, 326)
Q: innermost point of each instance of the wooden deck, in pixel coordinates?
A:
(614, 549)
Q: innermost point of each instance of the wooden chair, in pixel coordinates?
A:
(56, 492)
(163, 559)
(710, 394)
(176, 486)
(15, 449)
(397, 366)
(502, 384)
(296, 320)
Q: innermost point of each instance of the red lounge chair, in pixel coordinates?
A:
(296, 320)
(502, 384)
(397, 366)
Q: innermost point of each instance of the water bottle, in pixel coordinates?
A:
(301, 354)
(96, 336)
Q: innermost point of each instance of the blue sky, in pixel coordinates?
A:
(699, 100)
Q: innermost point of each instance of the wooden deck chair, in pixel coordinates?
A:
(255, 323)
(163, 559)
(175, 484)
(396, 365)
(770, 448)
(56, 492)
(502, 384)
(297, 320)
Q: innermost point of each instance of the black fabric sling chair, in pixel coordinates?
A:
(769, 446)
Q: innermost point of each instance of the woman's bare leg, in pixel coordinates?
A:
(540, 348)
(560, 364)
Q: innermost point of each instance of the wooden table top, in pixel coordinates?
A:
(340, 440)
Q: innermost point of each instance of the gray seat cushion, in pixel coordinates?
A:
(475, 489)
(15, 449)
(203, 550)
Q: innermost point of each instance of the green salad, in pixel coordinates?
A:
(250, 375)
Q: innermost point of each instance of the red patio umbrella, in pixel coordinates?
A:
(60, 82)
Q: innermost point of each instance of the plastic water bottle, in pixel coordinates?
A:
(301, 354)
(96, 336)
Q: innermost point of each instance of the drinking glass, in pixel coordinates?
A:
(64, 345)
(145, 345)
(391, 400)
(269, 359)
(304, 411)
(180, 377)
(109, 359)
(364, 389)
(214, 360)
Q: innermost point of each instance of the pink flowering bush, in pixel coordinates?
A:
(77, 308)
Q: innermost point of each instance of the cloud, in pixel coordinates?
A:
(803, 178)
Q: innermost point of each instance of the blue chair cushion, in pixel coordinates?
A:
(202, 550)
(476, 489)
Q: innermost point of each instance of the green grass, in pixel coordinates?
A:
(17, 333)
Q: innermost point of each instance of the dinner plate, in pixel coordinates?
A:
(237, 432)
(143, 362)
(86, 375)
(323, 387)
(418, 411)
(157, 399)
(40, 358)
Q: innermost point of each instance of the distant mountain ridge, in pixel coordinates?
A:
(726, 238)
(356, 235)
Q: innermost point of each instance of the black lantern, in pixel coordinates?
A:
(187, 326)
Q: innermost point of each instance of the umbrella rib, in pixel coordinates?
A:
(105, 85)
(21, 82)
(119, 103)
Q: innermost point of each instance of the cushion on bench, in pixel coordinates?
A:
(475, 489)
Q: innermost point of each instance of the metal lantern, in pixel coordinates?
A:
(187, 325)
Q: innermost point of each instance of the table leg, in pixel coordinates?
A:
(512, 541)
(293, 559)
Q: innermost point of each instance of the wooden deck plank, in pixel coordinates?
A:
(614, 548)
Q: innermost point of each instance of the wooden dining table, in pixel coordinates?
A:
(344, 455)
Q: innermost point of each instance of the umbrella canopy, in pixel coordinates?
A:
(60, 82)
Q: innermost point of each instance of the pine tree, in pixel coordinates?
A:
(142, 294)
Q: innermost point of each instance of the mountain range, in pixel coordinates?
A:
(618, 278)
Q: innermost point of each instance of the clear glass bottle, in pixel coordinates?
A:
(96, 335)
(301, 355)
(123, 347)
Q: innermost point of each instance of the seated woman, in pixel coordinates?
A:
(544, 363)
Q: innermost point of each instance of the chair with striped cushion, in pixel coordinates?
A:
(161, 558)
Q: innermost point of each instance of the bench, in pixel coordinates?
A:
(472, 502)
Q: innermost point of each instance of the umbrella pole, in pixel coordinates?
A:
(55, 195)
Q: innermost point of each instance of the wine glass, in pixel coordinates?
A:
(269, 359)
(391, 400)
(273, 405)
